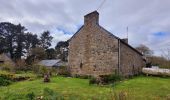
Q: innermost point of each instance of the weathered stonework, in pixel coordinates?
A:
(95, 51)
(131, 62)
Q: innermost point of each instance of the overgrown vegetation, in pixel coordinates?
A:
(6, 78)
(63, 71)
(4, 81)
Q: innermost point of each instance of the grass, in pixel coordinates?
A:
(148, 88)
(138, 88)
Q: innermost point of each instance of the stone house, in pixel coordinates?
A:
(95, 51)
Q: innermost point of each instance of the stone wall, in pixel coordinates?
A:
(131, 62)
(92, 51)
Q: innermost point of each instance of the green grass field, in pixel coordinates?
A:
(138, 88)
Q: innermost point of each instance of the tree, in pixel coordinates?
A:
(51, 53)
(7, 33)
(31, 41)
(15, 40)
(20, 41)
(12, 39)
(2, 46)
(63, 44)
(45, 40)
(166, 55)
(159, 61)
(62, 50)
(39, 53)
(145, 50)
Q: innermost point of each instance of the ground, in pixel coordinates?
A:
(138, 88)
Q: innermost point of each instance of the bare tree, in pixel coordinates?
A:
(146, 51)
(166, 54)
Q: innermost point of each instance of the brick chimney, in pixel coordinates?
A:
(91, 18)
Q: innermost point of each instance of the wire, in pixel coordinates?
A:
(127, 32)
(101, 5)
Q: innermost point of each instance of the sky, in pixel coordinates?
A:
(148, 21)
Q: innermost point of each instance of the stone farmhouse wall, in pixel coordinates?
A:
(131, 62)
(93, 52)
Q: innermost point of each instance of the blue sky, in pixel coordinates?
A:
(148, 20)
(160, 34)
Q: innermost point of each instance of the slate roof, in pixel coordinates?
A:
(49, 63)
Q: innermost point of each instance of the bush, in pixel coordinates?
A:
(40, 70)
(20, 65)
(5, 78)
(20, 78)
(13, 77)
(4, 82)
(7, 67)
(93, 81)
(63, 70)
(83, 76)
(6, 75)
(105, 79)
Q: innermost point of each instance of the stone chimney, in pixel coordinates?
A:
(125, 40)
(91, 18)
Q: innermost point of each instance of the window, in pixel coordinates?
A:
(1, 62)
(81, 65)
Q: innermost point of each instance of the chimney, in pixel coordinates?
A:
(91, 18)
(125, 40)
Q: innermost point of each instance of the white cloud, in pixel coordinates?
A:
(143, 17)
(59, 36)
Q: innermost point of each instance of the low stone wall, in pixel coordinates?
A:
(156, 71)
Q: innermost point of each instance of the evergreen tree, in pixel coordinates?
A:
(45, 40)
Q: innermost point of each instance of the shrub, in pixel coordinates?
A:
(43, 70)
(5, 78)
(92, 81)
(20, 65)
(83, 76)
(4, 82)
(7, 67)
(13, 77)
(40, 70)
(105, 79)
(20, 78)
(63, 70)
(6, 75)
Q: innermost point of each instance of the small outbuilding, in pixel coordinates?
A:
(52, 63)
(5, 59)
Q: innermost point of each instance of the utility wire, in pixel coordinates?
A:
(127, 32)
(100, 6)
